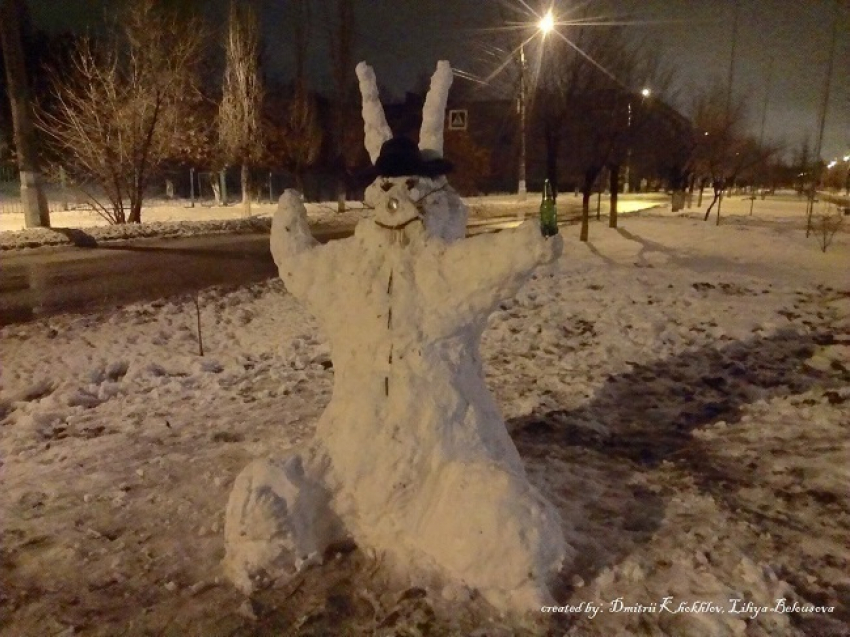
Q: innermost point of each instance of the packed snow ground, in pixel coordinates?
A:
(678, 390)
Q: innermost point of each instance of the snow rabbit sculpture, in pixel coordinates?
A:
(411, 457)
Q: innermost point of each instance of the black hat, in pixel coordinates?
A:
(400, 156)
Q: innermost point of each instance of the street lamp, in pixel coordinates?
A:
(645, 92)
(547, 23)
(544, 26)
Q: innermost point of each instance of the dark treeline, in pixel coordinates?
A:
(116, 114)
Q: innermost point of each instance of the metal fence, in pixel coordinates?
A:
(59, 196)
(211, 188)
(186, 185)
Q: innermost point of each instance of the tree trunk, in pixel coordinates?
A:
(586, 192)
(135, 196)
(719, 204)
(135, 210)
(222, 178)
(215, 184)
(689, 200)
(678, 182)
(585, 217)
(32, 193)
(599, 197)
(585, 201)
(342, 47)
(614, 172)
(246, 189)
(553, 144)
(701, 189)
(341, 193)
(718, 186)
(710, 206)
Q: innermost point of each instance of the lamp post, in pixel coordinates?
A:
(521, 188)
(645, 92)
(847, 178)
(544, 26)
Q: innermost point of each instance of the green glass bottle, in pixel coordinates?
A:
(548, 212)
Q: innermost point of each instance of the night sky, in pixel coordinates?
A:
(403, 39)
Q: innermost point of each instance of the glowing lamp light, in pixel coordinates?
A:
(646, 92)
(547, 22)
(832, 164)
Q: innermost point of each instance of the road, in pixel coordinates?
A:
(58, 280)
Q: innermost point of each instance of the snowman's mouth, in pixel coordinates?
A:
(398, 226)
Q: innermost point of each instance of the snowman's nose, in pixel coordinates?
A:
(392, 204)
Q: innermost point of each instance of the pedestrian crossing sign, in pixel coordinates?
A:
(458, 119)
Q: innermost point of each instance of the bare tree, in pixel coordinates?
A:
(239, 121)
(724, 150)
(592, 105)
(827, 225)
(802, 164)
(340, 32)
(569, 110)
(720, 125)
(590, 109)
(120, 113)
(302, 135)
(32, 193)
(644, 81)
(302, 138)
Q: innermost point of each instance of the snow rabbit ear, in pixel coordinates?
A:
(374, 121)
(376, 129)
(434, 112)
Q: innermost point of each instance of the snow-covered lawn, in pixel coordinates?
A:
(679, 390)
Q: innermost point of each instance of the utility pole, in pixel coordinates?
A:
(763, 119)
(731, 83)
(645, 92)
(810, 206)
(521, 188)
(626, 176)
(731, 80)
(32, 193)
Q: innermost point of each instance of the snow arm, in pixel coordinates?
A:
(293, 246)
(480, 271)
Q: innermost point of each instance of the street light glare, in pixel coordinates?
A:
(646, 92)
(547, 22)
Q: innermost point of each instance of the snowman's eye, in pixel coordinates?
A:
(411, 183)
(386, 186)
